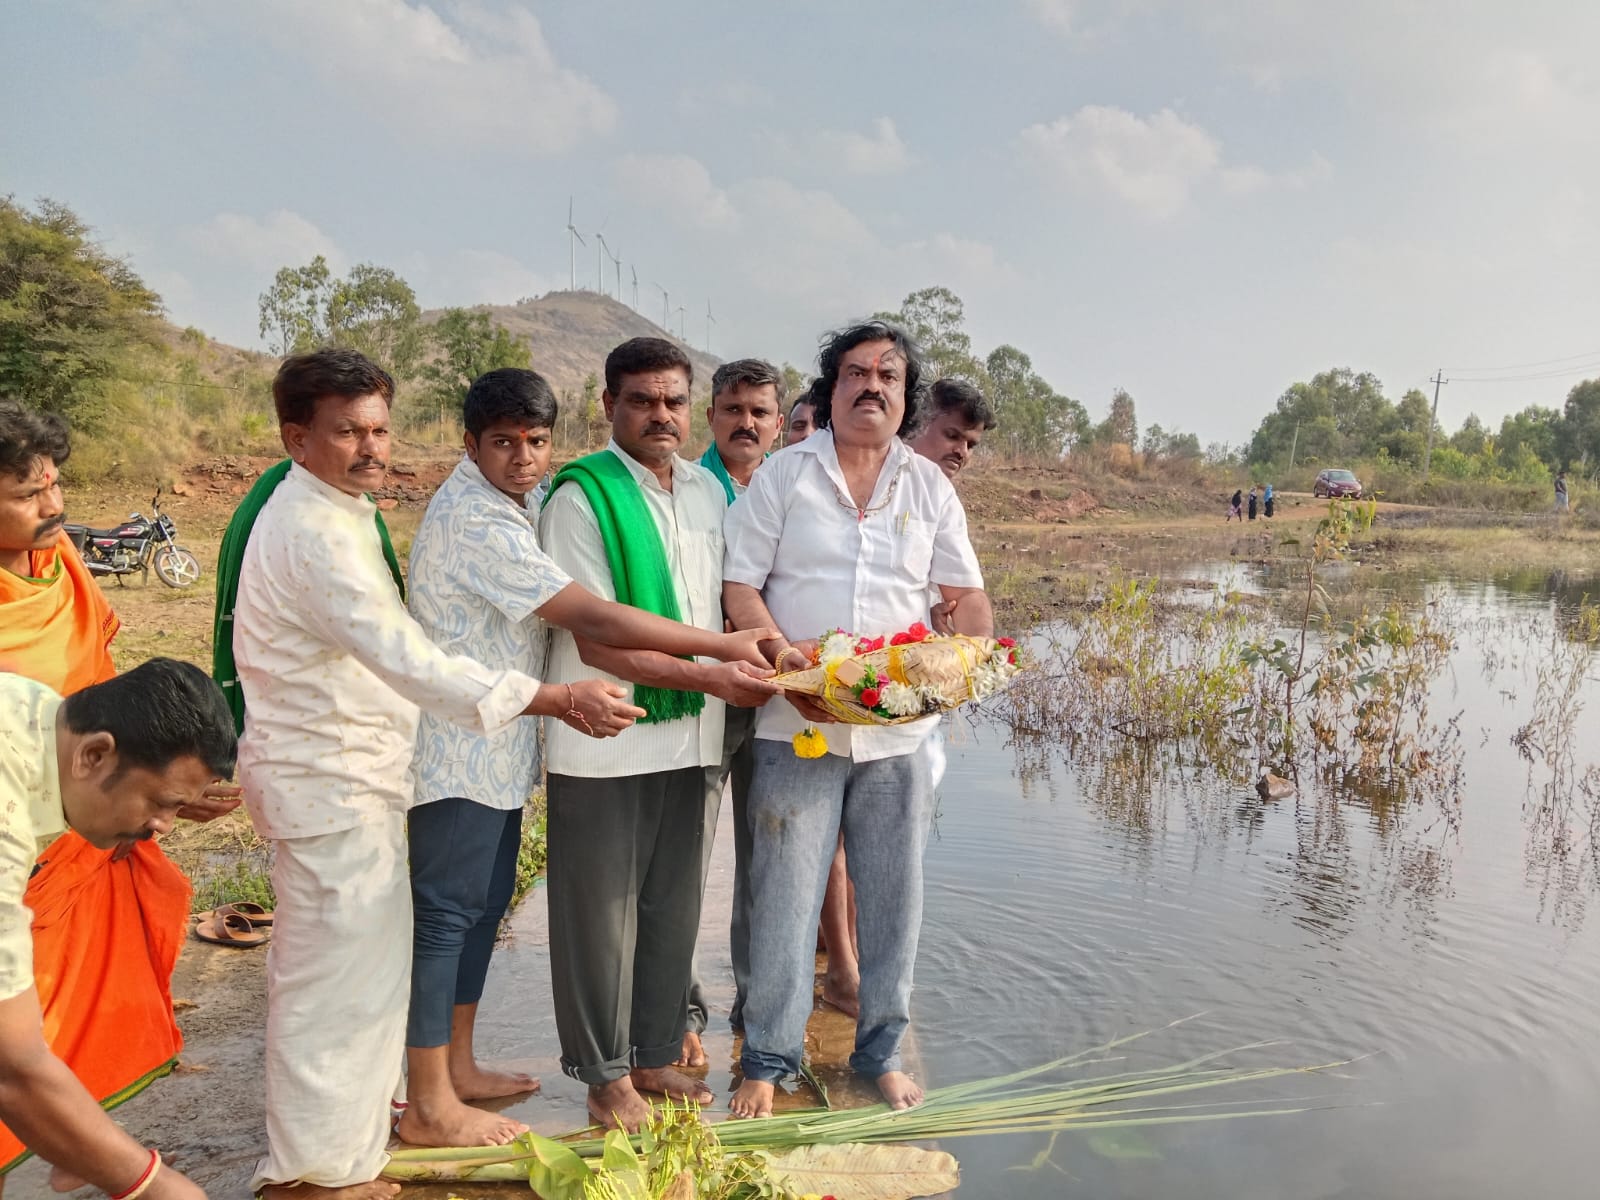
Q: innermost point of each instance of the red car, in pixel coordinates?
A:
(1338, 484)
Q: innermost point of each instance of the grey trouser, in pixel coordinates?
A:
(624, 898)
(738, 762)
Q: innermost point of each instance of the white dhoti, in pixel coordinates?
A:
(338, 986)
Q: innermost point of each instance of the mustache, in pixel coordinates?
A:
(50, 526)
(748, 435)
(666, 427)
(876, 397)
(363, 464)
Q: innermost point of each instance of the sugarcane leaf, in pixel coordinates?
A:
(852, 1171)
(556, 1172)
(619, 1154)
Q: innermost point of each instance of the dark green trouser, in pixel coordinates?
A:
(624, 894)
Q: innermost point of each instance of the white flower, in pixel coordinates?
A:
(902, 700)
(836, 647)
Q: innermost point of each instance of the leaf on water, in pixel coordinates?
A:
(1122, 1145)
(856, 1172)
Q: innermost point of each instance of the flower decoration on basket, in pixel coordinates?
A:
(889, 680)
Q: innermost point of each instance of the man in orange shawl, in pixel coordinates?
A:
(107, 925)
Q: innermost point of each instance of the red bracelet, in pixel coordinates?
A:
(144, 1181)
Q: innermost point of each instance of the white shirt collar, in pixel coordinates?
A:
(473, 474)
(642, 473)
(822, 445)
(356, 505)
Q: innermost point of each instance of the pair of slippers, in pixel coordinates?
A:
(243, 925)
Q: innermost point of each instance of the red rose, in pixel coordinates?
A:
(901, 639)
(869, 697)
(919, 632)
(1006, 642)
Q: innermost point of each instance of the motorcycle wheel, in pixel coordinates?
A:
(176, 567)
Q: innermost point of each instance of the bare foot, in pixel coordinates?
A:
(899, 1089)
(63, 1180)
(456, 1125)
(842, 992)
(693, 1053)
(664, 1081)
(378, 1189)
(486, 1082)
(753, 1099)
(618, 1105)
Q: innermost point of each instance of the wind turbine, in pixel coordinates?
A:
(599, 271)
(710, 321)
(666, 310)
(572, 245)
(617, 259)
(680, 310)
(635, 271)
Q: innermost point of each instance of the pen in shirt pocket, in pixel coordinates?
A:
(905, 520)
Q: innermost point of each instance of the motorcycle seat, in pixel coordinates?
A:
(81, 532)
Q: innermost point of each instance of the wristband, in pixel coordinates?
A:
(572, 715)
(142, 1184)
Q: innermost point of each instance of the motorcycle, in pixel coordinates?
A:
(138, 544)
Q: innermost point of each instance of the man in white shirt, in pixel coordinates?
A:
(847, 529)
(333, 672)
(745, 419)
(115, 762)
(480, 585)
(638, 524)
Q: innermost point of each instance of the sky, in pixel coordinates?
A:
(1201, 203)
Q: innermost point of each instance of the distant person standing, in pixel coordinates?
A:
(1235, 507)
(1561, 491)
(1252, 502)
(1266, 502)
(802, 420)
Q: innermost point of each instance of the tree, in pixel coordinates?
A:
(795, 382)
(373, 311)
(1337, 416)
(1121, 426)
(70, 313)
(1031, 416)
(294, 310)
(935, 319)
(1578, 436)
(1471, 438)
(1535, 429)
(466, 344)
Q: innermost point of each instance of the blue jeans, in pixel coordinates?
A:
(463, 871)
(797, 808)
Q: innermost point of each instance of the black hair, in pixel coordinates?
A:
(744, 372)
(27, 436)
(304, 379)
(639, 355)
(509, 394)
(839, 343)
(952, 395)
(160, 711)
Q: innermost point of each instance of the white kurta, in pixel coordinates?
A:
(333, 670)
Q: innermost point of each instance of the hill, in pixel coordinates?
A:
(572, 332)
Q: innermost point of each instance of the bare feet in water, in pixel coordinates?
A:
(664, 1081)
(753, 1099)
(618, 1105)
(841, 989)
(455, 1124)
(378, 1189)
(693, 1053)
(899, 1089)
(490, 1082)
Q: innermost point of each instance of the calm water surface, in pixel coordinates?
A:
(1070, 902)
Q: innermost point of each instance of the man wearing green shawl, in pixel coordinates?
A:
(745, 419)
(637, 524)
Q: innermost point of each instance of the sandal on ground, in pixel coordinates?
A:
(258, 915)
(229, 929)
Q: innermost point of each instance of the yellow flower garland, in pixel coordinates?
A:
(809, 743)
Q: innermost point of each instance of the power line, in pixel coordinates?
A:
(1562, 373)
(1546, 362)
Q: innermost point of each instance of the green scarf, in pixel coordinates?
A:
(231, 557)
(711, 460)
(639, 572)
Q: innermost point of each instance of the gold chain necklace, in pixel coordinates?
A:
(863, 513)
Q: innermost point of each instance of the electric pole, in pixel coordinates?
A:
(1438, 381)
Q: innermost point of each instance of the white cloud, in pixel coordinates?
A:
(1153, 164)
(280, 239)
(682, 185)
(880, 152)
(461, 73)
(1057, 15)
(478, 277)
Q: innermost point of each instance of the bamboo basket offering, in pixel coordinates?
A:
(892, 680)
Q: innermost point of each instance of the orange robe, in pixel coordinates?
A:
(106, 935)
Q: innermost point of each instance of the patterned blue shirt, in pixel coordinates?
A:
(477, 576)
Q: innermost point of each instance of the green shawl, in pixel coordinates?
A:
(231, 557)
(640, 576)
(711, 460)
